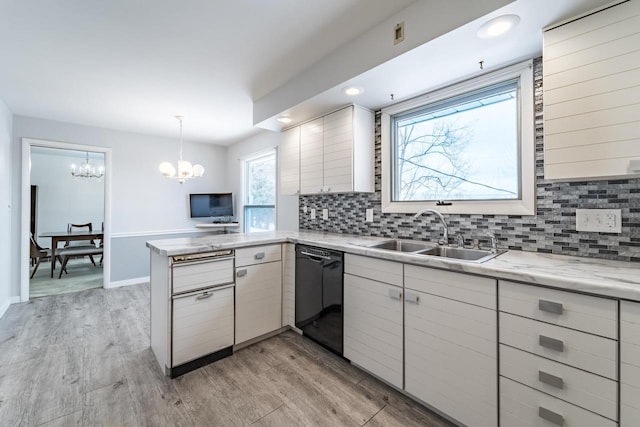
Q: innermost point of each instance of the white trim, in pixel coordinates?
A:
(526, 206)
(127, 234)
(27, 143)
(4, 307)
(128, 282)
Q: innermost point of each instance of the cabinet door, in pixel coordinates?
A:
(258, 300)
(629, 363)
(311, 155)
(290, 162)
(202, 324)
(451, 357)
(338, 151)
(373, 327)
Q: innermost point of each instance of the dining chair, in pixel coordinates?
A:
(81, 244)
(37, 253)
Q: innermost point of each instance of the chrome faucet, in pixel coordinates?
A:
(445, 235)
(494, 242)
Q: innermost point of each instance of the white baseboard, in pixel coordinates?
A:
(5, 305)
(128, 282)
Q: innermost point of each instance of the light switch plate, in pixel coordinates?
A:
(599, 220)
(368, 216)
(313, 213)
(325, 213)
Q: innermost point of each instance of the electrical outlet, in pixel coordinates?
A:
(398, 33)
(325, 213)
(368, 216)
(304, 209)
(313, 213)
(599, 220)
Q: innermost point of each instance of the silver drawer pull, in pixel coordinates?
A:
(259, 255)
(241, 273)
(551, 343)
(395, 294)
(551, 380)
(550, 306)
(204, 295)
(550, 416)
(410, 297)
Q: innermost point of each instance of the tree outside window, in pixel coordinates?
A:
(260, 194)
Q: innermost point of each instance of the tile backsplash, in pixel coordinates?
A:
(551, 230)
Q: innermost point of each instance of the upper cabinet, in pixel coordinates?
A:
(331, 154)
(592, 95)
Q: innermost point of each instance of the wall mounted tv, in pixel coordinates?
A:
(211, 205)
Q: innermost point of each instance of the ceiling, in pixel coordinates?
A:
(124, 65)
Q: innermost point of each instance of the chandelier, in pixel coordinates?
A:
(185, 169)
(87, 171)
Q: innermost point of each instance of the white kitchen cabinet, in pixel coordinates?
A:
(289, 159)
(258, 300)
(373, 319)
(289, 284)
(451, 346)
(629, 363)
(592, 95)
(336, 152)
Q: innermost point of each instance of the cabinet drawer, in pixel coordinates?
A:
(460, 287)
(589, 391)
(257, 255)
(582, 312)
(581, 350)
(373, 268)
(202, 324)
(521, 406)
(191, 277)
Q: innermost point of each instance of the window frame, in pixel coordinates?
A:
(245, 190)
(526, 204)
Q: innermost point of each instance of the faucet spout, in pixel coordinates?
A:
(445, 235)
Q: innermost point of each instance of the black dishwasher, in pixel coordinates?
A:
(319, 295)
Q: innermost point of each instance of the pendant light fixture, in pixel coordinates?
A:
(185, 169)
(87, 171)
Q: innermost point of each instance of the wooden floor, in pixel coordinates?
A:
(81, 275)
(84, 359)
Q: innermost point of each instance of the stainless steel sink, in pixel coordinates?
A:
(431, 249)
(477, 255)
(401, 245)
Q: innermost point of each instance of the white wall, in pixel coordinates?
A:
(6, 119)
(143, 203)
(63, 199)
(286, 206)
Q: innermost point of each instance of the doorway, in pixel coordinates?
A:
(60, 192)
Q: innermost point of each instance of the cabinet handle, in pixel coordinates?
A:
(204, 295)
(259, 255)
(328, 189)
(551, 343)
(552, 417)
(241, 273)
(551, 380)
(550, 306)
(395, 294)
(410, 297)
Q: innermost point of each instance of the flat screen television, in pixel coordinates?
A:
(211, 205)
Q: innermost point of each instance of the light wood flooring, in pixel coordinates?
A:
(82, 275)
(84, 359)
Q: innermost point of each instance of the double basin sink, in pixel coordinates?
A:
(430, 249)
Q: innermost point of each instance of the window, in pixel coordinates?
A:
(260, 194)
(470, 144)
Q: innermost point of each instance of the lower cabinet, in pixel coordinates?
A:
(258, 300)
(373, 317)
(629, 363)
(451, 346)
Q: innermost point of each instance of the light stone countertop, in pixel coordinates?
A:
(616, 279)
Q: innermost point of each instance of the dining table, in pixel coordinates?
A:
(68, 236)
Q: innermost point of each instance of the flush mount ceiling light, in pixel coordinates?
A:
(87, 171)
(353, 90)
(284, 119)
(497, 26)
(185, 169)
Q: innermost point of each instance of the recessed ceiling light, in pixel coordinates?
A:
(353, 90)
(498, 26)
(285, 120)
